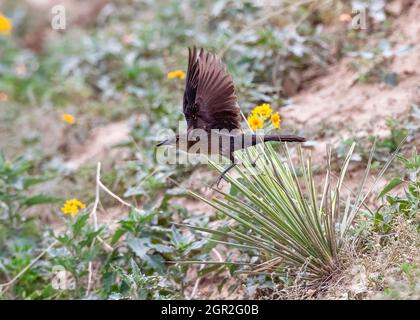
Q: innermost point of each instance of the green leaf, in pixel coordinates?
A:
(177, 238)
(33, 180)
(40, 199)
(233, 190)
(408, 268)
(161, 248)
(80, 223)
(155, 262)
(391, 185)
(135, 191)
(139, 246)
(91, 253)
(117, 235)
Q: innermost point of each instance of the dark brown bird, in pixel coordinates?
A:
(210, 104)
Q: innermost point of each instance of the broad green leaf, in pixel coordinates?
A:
(391, 185)
(155, 262)
(139, 246)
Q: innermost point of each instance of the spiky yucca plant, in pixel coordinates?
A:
(280, 213)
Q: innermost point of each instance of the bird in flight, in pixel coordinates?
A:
(210, 106)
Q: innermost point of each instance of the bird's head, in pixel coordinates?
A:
(172, 141)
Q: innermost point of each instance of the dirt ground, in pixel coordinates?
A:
(335, 99)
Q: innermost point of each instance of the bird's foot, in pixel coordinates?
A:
(222, 176)
(217, 182)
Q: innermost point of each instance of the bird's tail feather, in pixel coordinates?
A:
(283, 137)
(248, 140)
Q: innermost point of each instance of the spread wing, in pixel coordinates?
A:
(209, 99)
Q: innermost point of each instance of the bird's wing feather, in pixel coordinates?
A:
(210, 101)
(191, 82)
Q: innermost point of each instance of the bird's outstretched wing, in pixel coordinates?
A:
(209, 99)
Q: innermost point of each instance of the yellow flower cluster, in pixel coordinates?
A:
(264, 111)
(5, 25)
(255, 121)
(68, 118)
(72, 207)
(261, 113)
(176, 74)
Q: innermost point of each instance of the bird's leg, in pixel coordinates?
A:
(222, 176)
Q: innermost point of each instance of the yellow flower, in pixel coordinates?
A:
(264, 111)
(72, 207)
(275, 119)
(68, 118)
(255, 121)
(5, 25)
(176, 74)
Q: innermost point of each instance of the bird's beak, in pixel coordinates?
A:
(162, 143)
